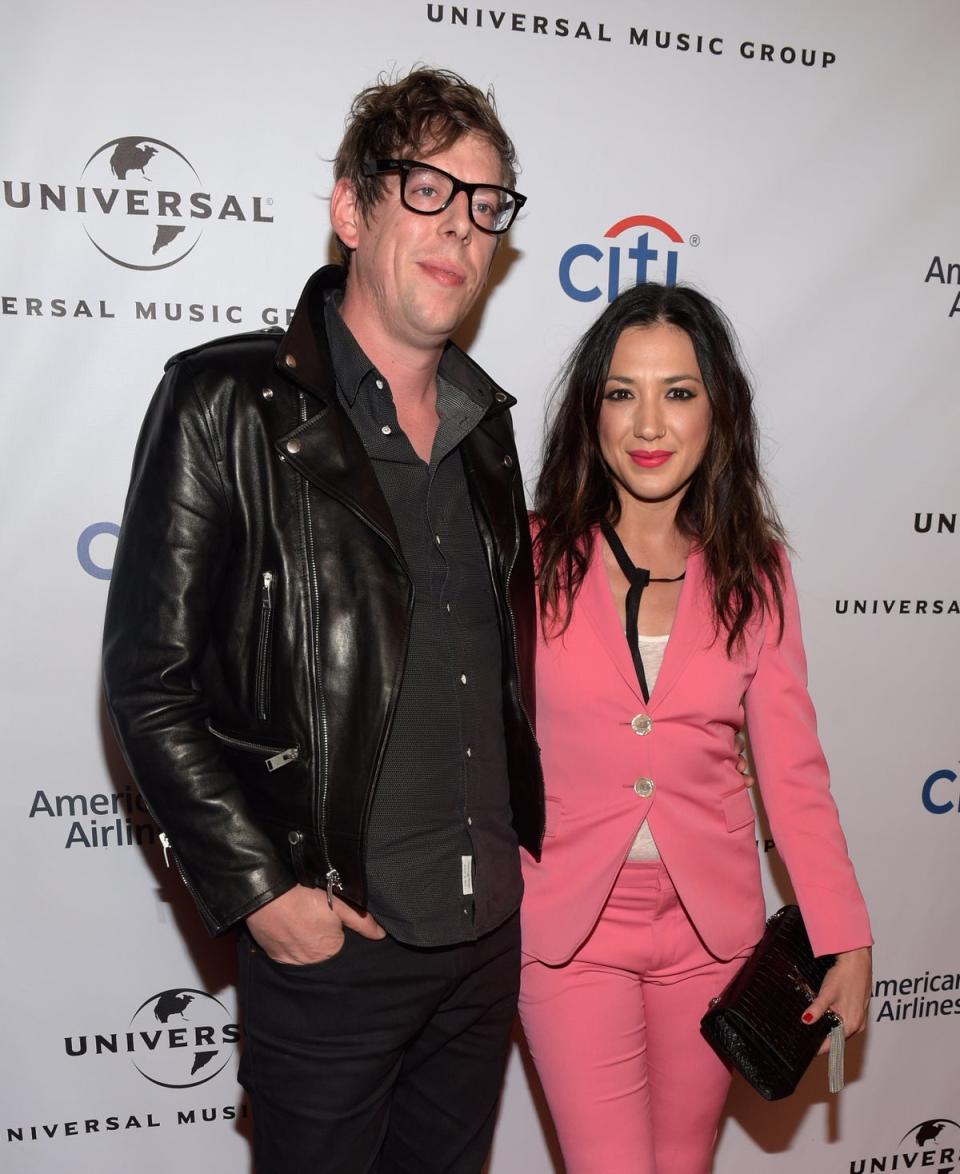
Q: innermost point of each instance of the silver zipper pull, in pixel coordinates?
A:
(165, 844)
(281, 759)
(333, 882)
(267, 585)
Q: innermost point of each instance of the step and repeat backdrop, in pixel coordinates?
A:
(164, 174)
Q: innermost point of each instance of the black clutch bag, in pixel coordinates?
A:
(755, 1024)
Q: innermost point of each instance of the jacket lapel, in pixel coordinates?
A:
(491, 471)
(595, 602)
(325, 448)
(327, 451)
(692, 628)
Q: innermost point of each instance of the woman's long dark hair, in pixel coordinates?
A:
(726, 510)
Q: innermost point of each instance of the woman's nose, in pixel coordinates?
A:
(648, 422)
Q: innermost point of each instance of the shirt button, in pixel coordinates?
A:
(448, 608)
(267, 393)
(386, 430)
(644, 787)
(463, 678)
(379, 385)
(436, 539)
(508, 461)
(290, 360)
(469, 752)
(293, 445)
(642, 724)
(469, 821)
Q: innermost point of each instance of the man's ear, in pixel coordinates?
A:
(345, 215)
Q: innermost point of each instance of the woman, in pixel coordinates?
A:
(648, 895)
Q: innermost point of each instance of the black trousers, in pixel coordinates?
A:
(385, 1058)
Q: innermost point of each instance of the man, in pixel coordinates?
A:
(318, 658)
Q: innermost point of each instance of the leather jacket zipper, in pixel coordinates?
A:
(275, 757)
(265, 647)
(513, 626)
(318, 709)
(188, 883)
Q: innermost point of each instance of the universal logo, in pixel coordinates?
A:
(929, 1145)
(178, 1039)
(935, 523)
(142, 203)
(583, 30)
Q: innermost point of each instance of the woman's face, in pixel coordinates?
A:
(654, 420)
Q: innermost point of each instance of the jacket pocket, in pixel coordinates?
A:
(274, 756)
(264, 667)
(737, 809)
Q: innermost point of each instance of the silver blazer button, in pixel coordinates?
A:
(644, 787)
(642, 724)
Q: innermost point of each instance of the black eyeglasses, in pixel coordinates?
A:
(428, 191)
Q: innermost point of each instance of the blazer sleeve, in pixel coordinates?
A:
(795, 785)
(168, 566)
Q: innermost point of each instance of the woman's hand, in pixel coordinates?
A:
(845, 991)
(743, 760)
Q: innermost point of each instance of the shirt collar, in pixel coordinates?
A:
(352, 365)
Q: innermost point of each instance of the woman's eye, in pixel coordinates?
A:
(617, 393)
(680, 393)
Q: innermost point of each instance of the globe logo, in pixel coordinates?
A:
(927, 1133)
(182, 1037)
(144, 209)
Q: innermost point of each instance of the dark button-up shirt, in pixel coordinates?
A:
(442, 856)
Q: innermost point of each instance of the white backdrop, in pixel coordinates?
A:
(798, 162)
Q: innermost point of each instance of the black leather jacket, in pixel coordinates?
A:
(259, 612)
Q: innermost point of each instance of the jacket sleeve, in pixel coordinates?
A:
(169, 563)
(795, 784)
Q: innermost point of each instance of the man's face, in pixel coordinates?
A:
(413, 278)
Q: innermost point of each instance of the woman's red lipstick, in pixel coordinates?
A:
(649, 460)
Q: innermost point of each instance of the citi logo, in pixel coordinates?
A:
(95, 545)
(142, 203)
(939, 792)
(645, 250)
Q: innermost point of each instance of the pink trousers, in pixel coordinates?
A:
(615, 1035)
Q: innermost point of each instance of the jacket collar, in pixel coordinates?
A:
(304, 353)
(326, 450)
(692, 625)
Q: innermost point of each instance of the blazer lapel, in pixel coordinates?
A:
(692, 629)
(595, 602)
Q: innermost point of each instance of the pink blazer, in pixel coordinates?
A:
(604, 775)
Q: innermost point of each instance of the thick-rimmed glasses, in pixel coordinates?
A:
(428, 191)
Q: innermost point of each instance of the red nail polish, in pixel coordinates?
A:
(807, 1017)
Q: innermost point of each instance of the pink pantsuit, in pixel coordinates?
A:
(595, 974)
